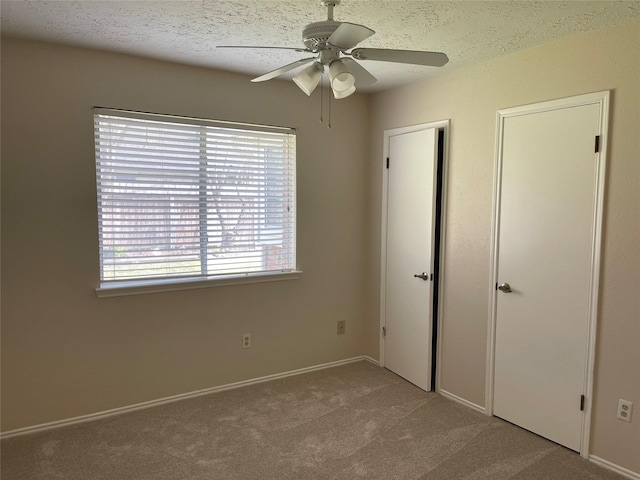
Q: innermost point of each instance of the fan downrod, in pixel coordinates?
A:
(330, 4)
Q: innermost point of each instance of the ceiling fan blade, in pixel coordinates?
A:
(348, 35)
(279, 71)
(362, 76)
(273, 48)
(431, 59)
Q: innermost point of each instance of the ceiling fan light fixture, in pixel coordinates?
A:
(342, 80)
(329, 42)
(309, 78)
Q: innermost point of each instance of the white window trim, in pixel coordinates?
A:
(141, 287)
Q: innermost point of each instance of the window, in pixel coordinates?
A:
(190, 199)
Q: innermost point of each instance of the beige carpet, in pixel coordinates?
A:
(356, 421)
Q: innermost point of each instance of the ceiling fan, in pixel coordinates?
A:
(330, 41)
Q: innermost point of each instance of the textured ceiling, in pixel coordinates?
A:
(187, 31)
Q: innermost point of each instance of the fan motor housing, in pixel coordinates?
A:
(315, 35)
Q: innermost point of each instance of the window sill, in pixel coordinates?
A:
(141, 287)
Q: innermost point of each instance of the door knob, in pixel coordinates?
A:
(424, 276)
(505, 287)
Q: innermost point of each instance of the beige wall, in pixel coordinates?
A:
(67, 353)
(601, 60)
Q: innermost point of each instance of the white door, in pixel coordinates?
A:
(545, 254)
(409, 252)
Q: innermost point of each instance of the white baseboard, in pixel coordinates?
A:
(462, 401)
(614, 468)
(183, 396)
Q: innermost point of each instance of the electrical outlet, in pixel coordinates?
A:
(341, 326)
(246, 340)
(625, 408)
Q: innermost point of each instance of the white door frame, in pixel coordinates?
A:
(444, 125)
(601, 99)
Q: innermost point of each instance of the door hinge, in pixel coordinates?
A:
(581, 403)
(387, 162)
(384, 331)
(597, 144)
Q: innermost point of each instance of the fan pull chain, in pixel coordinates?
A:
(321, 99)
(329, 114)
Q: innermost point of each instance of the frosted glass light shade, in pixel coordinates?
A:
(309, 78)
(344, 93)
(342, 79)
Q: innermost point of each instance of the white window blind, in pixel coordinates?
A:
(180, 197)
